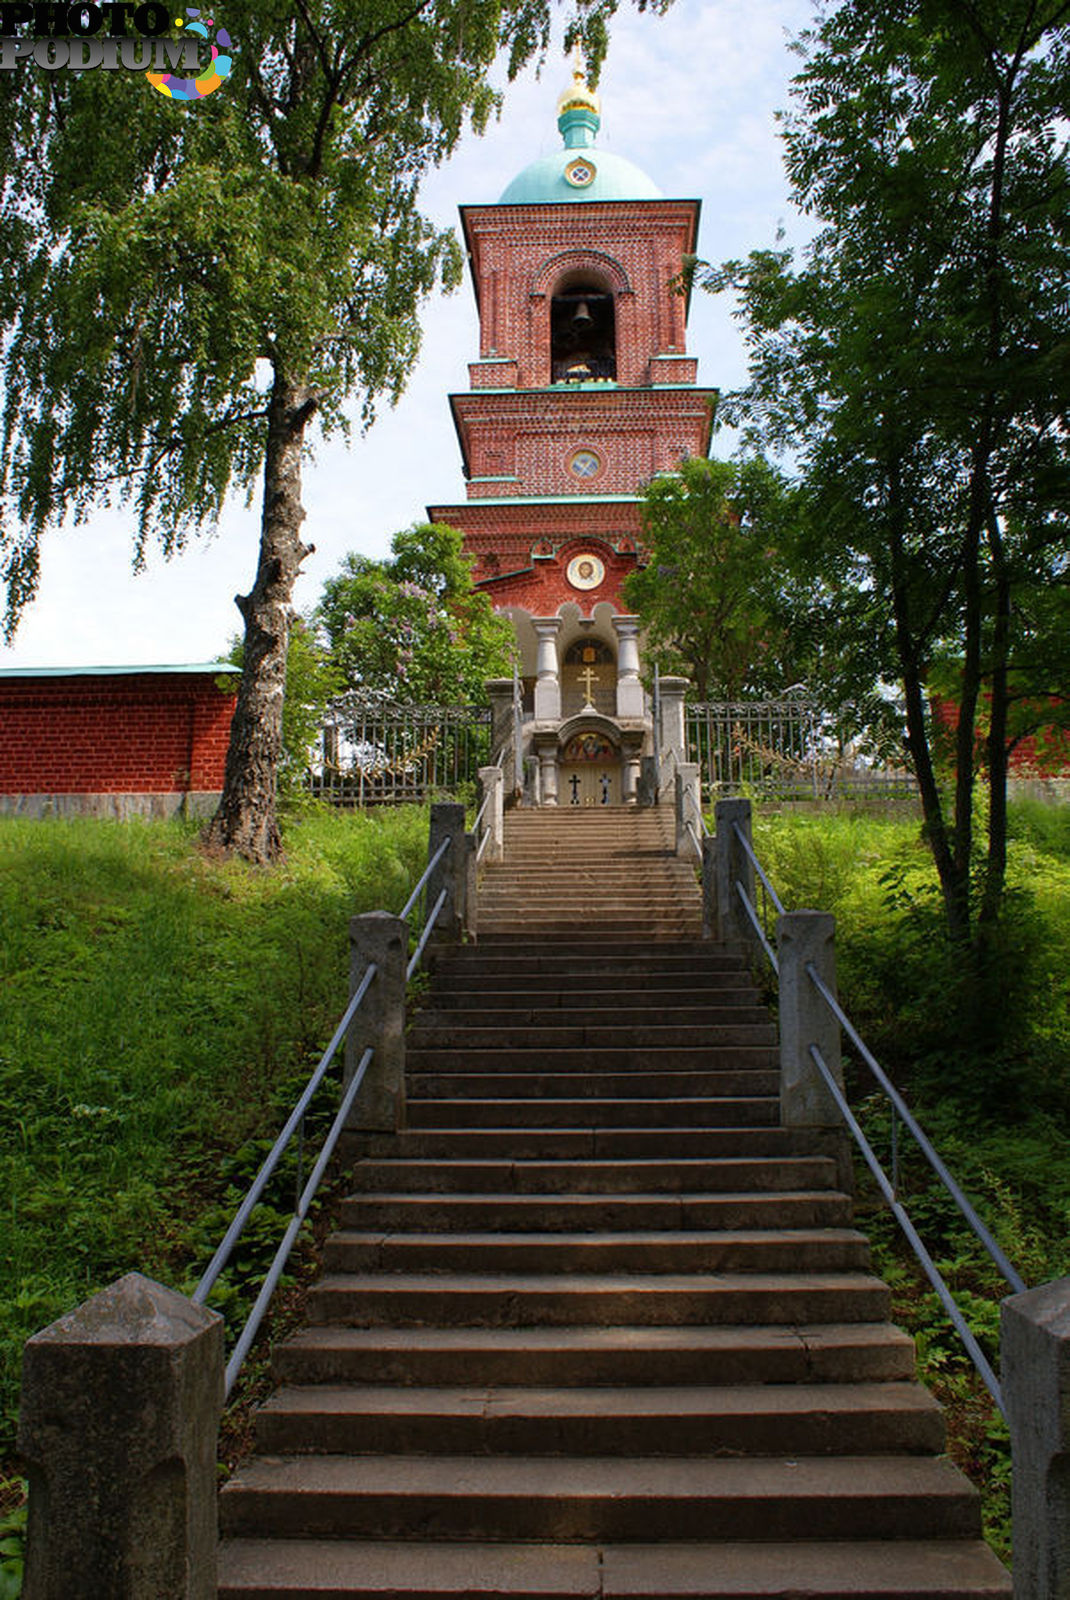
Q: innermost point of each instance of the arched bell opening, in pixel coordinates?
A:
(589, 770)
(583, 331)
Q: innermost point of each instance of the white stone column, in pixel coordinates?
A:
(547, 682)
(629, 688)
(546, 747)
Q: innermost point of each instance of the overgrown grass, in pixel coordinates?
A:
(158, 1010)
(983, 1054)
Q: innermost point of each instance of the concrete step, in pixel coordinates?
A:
(689, 1175)
(655, 1252)
(594, 1085)
(594, 1058)
(561, 1144)
(832, 1353)
(511, 1300)
(341, 1569)
(573, 946)
(685, 1113)
(606, 929)
(604, 1036)
(534, 967)
(757, 1420)
(549, 994)
(719, 1012)
(468, 1497)
(639, 1213)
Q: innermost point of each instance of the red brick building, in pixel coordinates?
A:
(582, 391)
(113, 741)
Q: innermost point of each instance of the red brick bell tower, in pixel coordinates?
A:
(582, 391)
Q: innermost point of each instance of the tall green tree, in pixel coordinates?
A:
(414, 627)
(917, 361)
(711, 594)
(190, 287)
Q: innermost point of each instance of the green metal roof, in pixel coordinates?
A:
(113, 672)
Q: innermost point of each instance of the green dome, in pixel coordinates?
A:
(579, 171)
(545, 183)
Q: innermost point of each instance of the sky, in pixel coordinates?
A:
(691, 98)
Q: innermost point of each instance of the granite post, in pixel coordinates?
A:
(492, 789)
(1035, 1377)
(451, 873)
(121, 1401)
(734, 866)
(379, 1021)
(807, 938)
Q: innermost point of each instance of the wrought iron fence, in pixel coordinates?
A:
(377, 752)
(777, 748)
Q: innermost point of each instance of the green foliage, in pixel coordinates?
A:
(712, 595)
(413, 627)
(269, 238)
(160, 1009)
(987, 1073)
(915, 362)
(13, 1512)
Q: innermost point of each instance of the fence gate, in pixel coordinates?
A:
(376, 752)
(778, 748)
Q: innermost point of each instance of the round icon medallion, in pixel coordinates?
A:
(585, 572)
(581, 172)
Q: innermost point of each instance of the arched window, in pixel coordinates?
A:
(583, 332)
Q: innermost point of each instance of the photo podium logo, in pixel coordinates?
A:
(87, 36)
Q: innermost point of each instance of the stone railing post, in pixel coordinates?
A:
(687, 810)
(646, 792)
(492, 789)
(805, 937)
(500, 695)
(380, 1020)
(451, 874)
(1035, 1376)
(673, 730)
(733, 865)
(121, 1401)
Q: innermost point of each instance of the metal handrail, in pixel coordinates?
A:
(414, 959)
(695, 840)
(756, 864)
(925, 1260)
(889, 1186)
(689, 794)
(295, 1123)
(431, 865)
(282, 1254)
(271, 1161)
(755, 922)
(969, 1215)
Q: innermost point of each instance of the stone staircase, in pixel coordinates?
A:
(594, 1324)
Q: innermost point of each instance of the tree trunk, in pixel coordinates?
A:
(246, 823)
(996, 866)
(908, 651)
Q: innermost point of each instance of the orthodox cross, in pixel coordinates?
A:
(587, 677)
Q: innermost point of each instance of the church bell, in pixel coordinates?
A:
(581, 317)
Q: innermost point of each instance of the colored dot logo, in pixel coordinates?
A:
(216, 72)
